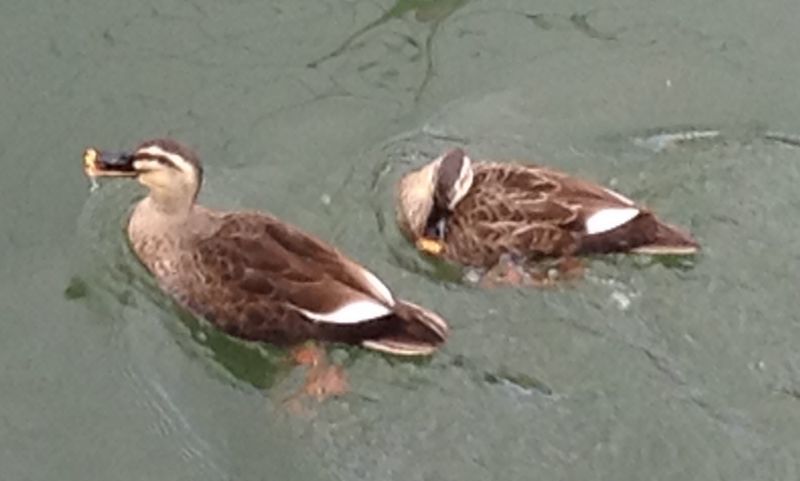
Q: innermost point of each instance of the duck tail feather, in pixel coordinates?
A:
(669, 240)
(415, 331)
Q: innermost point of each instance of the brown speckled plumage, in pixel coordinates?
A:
(252, 275)
(523, 210)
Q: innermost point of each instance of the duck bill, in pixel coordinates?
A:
(97, 163)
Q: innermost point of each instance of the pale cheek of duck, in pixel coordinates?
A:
(416, 202)
(164, 180)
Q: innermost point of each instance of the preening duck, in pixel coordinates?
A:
(250, 274)
(475, 212)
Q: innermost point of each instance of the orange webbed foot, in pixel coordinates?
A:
(507, 272)
(510, 272)
(563, 270)
(323, 379)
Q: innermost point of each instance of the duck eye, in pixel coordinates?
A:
(163, 161)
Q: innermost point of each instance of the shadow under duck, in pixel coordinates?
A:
(475, 213)
(250, 274)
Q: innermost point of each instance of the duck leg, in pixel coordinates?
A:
(561, 270)
(512, 271)
(508, 271)
(323, 379)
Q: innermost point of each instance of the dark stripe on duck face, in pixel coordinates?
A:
(436, 225)
(447, 178)
(448, 175)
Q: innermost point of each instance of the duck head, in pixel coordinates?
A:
(170, 170)
(432, 190)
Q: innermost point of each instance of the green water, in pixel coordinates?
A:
(311, 110)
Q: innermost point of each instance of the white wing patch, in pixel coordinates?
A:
(605, 220)
(380, 288)
(352, 313)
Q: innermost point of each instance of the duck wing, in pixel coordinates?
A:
(607, 221)
(548, 212)
(282, 276)
(512, 208)
(264, 255)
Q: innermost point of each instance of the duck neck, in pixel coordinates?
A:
(171, 204)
